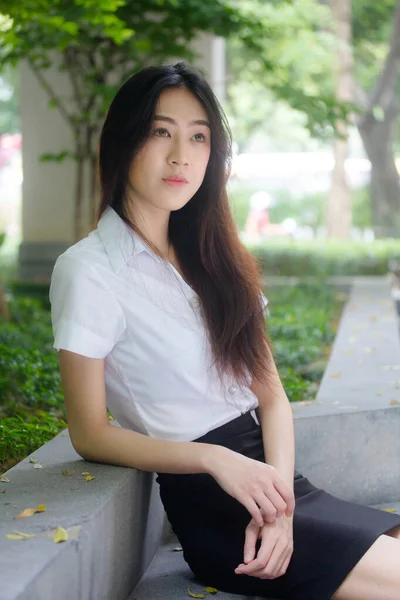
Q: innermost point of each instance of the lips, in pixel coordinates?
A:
(177, 179)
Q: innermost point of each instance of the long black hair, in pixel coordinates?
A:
(203, 233)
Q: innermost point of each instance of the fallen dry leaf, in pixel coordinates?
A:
(25, 535)
(67, 473)
(391, 510)
(2, 491)
(33, 460)
(211, 590)
(178, 549)
(4, 479)
(335, 375)
(89, 478)
(85, 473)
(12, 536)
(28, 512)
(60, 535)
(394, 403)
(195, 595)
(37, 466)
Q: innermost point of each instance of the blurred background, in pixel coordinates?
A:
(310, 90)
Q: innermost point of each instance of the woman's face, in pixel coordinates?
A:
(179, 145)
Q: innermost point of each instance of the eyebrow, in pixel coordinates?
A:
(170, 120)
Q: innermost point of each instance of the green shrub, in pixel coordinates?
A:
(21, 435)
(29, 373)
(324, 258)
(31, 400)
(302, 327)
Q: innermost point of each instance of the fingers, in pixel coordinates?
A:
(251, 537)
(274, 505)
(271, 567)
(264, 554)
(254, 510)
(268, 510)
(275, 566)
(286, 494)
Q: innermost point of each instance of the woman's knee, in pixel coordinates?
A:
(376, 576)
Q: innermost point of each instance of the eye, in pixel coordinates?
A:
(162, 130)
(204, 138)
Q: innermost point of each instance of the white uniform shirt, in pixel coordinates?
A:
(112, 297)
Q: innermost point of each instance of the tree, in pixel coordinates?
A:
(378, 106)
(338, 213)
(98, 44)
(9, 107)
(298, 45)
(304, 80)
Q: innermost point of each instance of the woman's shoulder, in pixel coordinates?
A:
(86, 255)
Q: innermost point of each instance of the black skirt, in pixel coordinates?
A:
(330, 535)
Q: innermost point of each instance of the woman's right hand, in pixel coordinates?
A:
(255, 484)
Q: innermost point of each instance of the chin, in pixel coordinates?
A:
(177, 204)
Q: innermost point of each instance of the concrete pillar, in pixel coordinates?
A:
(48, 188)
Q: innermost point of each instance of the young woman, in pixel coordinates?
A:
(158, 314)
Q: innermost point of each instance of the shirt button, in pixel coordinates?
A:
(233, 389)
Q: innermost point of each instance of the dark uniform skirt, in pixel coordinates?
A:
(330, 535)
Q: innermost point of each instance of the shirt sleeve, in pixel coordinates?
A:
(85, 314)
(264, 303)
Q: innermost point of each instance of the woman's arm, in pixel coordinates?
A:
(95, 439)
(276, 420)
(253, 483)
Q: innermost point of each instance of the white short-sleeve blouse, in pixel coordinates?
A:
(112, 297)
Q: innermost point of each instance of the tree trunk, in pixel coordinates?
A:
(377, 125)
(79, 187)
(94, 189)
(378, 138)
(338, 213)
(4, 312)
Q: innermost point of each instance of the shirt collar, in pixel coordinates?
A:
(120, 241)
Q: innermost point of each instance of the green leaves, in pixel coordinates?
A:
(301, 327)
(59, 157)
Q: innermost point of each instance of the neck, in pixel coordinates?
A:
(153, 223)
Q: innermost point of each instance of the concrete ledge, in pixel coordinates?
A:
(355, 456)
(348, 439)
(115, 524)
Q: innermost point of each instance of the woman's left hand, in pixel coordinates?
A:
(275, 552)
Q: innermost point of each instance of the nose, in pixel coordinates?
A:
(179, 154)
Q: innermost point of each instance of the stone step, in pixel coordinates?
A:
(168, 575)
(348, 439)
